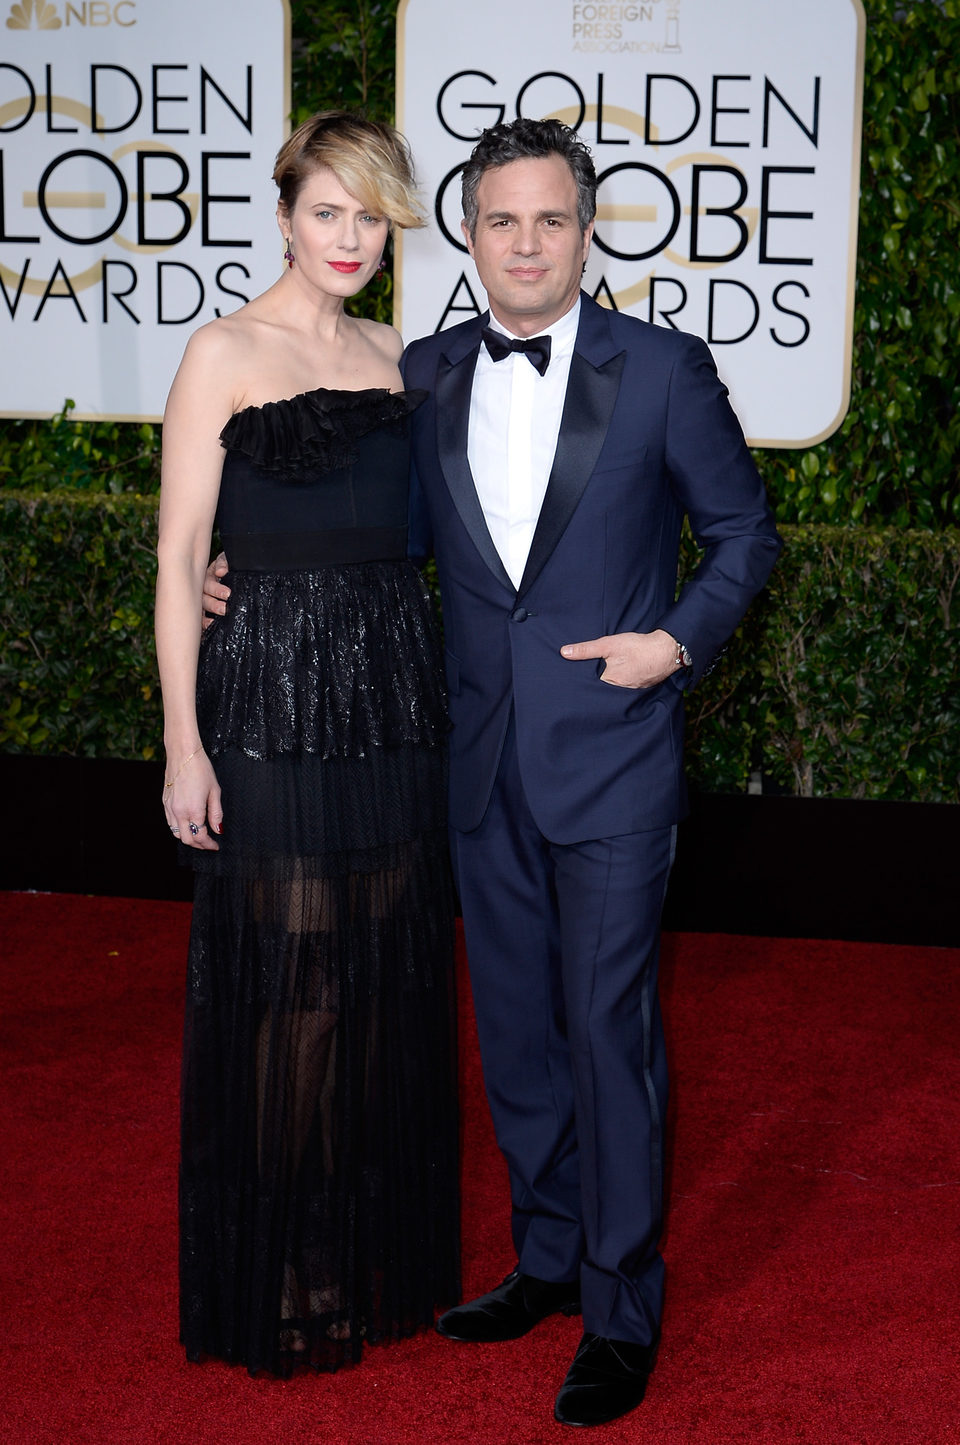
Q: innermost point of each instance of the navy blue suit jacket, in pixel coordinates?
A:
(647, 434)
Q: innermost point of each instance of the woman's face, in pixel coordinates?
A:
(336, 242)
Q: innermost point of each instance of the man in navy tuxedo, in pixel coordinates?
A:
(551, 481)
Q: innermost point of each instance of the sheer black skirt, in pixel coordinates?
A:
(318, 1184)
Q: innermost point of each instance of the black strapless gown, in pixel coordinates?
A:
(318, 1182)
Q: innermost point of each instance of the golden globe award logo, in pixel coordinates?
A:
(726, 140)
(136, 146)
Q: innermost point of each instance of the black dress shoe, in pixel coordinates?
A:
(607, 1379)
(510, 1310)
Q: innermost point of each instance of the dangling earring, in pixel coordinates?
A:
(288, 255)
(380, 268)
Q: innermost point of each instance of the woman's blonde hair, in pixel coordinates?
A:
(370, 160)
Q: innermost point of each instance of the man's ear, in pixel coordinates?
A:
(467, 236)
(587, 238)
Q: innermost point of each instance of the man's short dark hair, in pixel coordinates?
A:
(525, 140)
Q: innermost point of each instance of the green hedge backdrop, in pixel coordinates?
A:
(842, 682)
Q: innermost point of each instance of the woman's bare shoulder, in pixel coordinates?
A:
(386, 339)
(227, 335)
(214, 344)
(210, 377)
(227, 352)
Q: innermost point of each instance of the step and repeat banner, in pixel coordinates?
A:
(137, 139)
(137, 142)
(726, 139)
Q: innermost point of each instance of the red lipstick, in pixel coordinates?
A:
(347, 267)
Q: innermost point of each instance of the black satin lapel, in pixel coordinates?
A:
(591, 397)
(454, 385)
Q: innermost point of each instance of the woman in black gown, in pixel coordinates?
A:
(304, 735)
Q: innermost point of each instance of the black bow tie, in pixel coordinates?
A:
(536, 348)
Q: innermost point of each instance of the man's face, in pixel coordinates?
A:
(529, 250)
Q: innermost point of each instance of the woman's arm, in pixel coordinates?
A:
(199, 405)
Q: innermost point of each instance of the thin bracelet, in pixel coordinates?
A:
(182, 766)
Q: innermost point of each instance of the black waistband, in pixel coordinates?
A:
(301, 551)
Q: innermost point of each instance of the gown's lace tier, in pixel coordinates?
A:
(331, 662)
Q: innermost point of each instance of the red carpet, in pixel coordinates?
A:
(814, 1278)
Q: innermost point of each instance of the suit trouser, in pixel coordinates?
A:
(563, 947)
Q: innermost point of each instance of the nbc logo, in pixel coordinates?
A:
(42, 15)
(25, 12)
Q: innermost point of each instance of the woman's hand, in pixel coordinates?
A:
(191, 800)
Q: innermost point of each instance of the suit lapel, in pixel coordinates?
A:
(453, 386)
(592, 391)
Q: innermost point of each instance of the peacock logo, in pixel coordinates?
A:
(29, 14)
(85, 14)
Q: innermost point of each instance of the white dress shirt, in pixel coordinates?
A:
(512, 438)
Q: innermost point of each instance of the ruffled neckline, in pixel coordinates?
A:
(315, 431)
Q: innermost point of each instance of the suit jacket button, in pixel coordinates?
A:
(519, 614)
